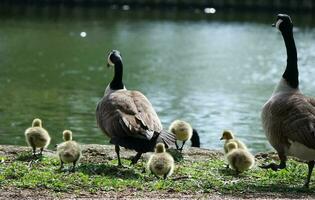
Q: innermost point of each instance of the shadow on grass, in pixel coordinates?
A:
(111, 171)
(28, 156)
(178, 157)
(280, 188)
(230, 172)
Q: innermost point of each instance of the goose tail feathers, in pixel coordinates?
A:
(167, 138)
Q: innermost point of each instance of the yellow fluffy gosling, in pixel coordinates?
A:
(69, 151)
(229, 137)
(36, 136)
(239, 159)
(182, 130)
(161, 163)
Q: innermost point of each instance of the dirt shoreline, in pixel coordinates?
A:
(101, 153)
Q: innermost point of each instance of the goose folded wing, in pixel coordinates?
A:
(300, 125)
(311, 101)
(134, 113)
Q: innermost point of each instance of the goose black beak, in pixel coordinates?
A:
(221, 138)
(273, 25)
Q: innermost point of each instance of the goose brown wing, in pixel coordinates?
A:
(127, 113)
(299, 120)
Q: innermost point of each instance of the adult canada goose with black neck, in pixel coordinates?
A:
(288, 117)
(127, 117)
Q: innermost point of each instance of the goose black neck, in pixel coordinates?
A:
(195, 140)
(117, 83)
(291, 73)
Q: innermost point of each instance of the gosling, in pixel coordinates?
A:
(229, 137)
(161, 163)
(37, 137)
(182, 130)
(69, 151)
(239, 159)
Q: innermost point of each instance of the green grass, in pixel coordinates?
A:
(204, 176)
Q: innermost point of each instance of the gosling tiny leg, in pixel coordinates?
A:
(165, 176)
(117, 149)
(176, 145)
(41, 151)
(73, 167)
(181, 149)
(61, 165)
(310, 170)
(34, 151)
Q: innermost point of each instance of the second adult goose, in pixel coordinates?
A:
(195, 139)
(288, 117)
(127, 117)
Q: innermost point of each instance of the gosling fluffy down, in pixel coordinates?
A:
(229, 137)
(36, 136)
(239, 159)
(161, 163)
(182, 130)
(69, 151)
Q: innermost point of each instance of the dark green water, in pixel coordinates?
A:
(214, 71)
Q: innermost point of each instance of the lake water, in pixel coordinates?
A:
(214, 71)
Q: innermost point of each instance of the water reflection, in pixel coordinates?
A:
(215, 71)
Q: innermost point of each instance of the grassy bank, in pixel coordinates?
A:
(199, 173)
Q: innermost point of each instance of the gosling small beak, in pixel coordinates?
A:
(221, 138)
(273, 25)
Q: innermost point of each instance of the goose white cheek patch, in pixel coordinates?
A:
(110, 62)
(278, 23)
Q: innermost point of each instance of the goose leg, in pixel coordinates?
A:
(34, 151)
(61, 165)
(310, 170)
(166, 174)
(156, 176)
(176, 145)
(274, 166)
(117, 149)
(41, 151)
(181, 149)
(73, 168)
(135, 159)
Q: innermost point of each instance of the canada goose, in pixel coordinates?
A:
(36, 136)
(195, 139)
(69, 151)
(127, 117)
(229, 137)
(239, 159)
(161, 163)
(288, 117)
(182, 130)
